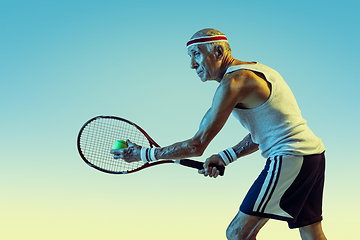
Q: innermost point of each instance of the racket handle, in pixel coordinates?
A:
(199, 165)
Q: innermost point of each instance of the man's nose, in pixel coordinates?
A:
(193, 64)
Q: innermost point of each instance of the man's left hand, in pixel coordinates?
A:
(212, 171)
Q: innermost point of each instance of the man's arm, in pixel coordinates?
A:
(230, 92)
(243, 148)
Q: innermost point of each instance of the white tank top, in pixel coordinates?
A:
(277, 125)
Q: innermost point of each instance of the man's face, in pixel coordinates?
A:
(204, 62)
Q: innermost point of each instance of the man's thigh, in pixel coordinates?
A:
(245, 226)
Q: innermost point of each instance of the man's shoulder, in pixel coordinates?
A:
(241, 76)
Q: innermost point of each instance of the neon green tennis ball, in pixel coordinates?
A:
(119, 144)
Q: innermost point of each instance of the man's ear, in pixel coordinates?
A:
(219, 52)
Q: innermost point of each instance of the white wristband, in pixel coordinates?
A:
(147, 154)
(228, 156)
(152, 154)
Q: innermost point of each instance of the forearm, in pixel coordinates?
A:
(179, 150)
(245, 147)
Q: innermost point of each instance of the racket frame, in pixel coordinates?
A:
(152, 143)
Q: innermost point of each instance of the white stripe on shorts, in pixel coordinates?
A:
(281, 174)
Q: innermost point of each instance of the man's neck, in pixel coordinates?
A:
(227, 61)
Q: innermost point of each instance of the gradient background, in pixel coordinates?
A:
(63, 62)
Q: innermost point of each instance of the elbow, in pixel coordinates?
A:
(198, 152)
(196, 147)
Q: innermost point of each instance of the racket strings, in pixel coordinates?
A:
(97, 138)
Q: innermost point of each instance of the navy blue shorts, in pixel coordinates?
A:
(290, 188)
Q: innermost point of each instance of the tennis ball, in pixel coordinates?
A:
(119, 144)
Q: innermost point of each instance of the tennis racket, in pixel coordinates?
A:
(97, 136)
